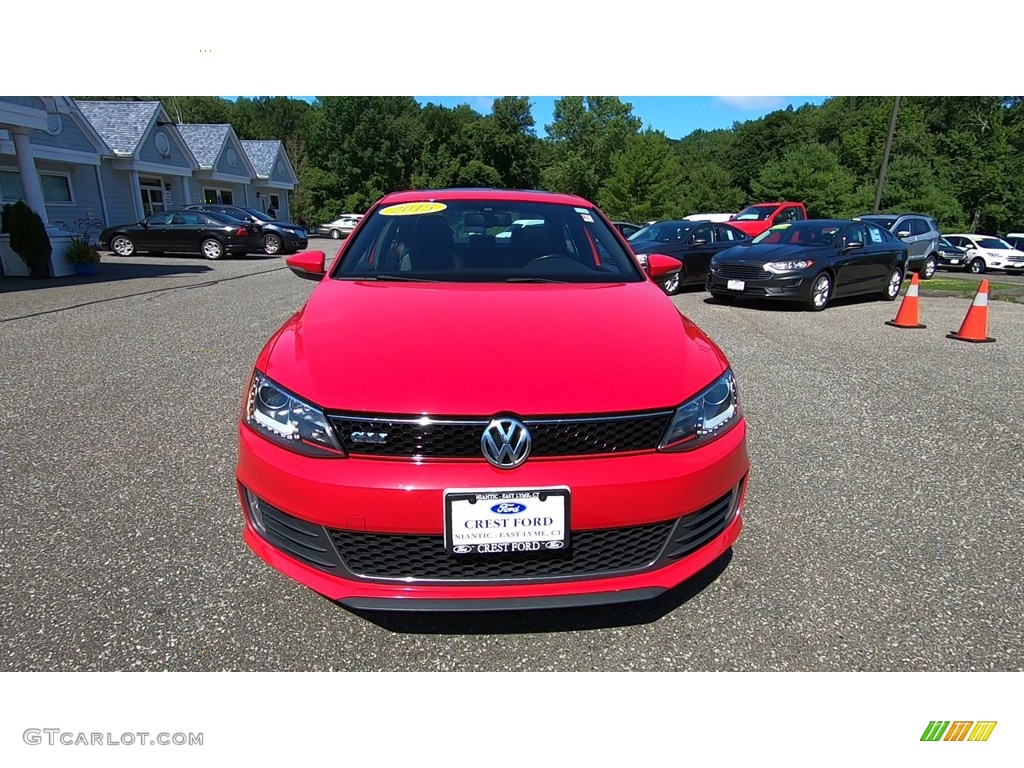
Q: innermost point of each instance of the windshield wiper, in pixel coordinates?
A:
(388, 278)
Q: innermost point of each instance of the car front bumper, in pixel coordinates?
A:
(793, 286)
(369, 533)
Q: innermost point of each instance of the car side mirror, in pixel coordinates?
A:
(698, 243)
(853, 245)
(660, 265)
(903, 233)
(309, 265)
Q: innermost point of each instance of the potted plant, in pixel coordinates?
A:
(82, 256)
(28, 237)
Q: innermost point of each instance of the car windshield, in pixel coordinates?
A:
(459, 241)
(756, 213)
(993, 244)
(663, 232)
(811, 233)
(258, 214)
(945, 243)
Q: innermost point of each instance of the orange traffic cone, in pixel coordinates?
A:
(975, 327)
(909, 312)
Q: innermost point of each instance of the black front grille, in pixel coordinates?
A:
(460, 438)
(614, 550)
(605, 552)
(742, 271)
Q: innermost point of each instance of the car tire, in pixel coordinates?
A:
(212, 249)
(122, 245)
(821, 292)
(272, 244)
(893, 283)
(977, 266)
(672, 284)
(335, 234)
(927, 271)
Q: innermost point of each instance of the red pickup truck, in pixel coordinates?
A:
(755, 219)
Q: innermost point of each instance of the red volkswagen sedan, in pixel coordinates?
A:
(456, 421)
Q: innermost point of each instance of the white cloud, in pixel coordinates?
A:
(749, 103)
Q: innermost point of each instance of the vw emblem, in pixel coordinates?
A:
(506, 443)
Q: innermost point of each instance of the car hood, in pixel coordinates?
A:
(479, 349)
(764, 253)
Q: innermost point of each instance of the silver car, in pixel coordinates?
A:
(919, 232)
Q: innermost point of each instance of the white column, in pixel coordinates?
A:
(186, 191)
(137, 194)
(29, 176)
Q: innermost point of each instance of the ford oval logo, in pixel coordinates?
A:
(462, 549)
(508, 508)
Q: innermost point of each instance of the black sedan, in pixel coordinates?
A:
(952, 256)
(209, 234)
(692, 242)
(812, 262)
(278, 236)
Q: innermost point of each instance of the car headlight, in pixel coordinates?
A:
(714, 263)
(283, 418)
(705, 417)
(789, 266)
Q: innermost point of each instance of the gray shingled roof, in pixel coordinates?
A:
(262, 155)
(121, 124)
(205, 141)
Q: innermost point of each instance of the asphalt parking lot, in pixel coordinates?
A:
(883, 521)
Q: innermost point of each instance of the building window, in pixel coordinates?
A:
(274, 203)
(10, 186)
(218, 197)
(56, 188)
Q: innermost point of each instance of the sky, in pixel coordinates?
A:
(676, 116)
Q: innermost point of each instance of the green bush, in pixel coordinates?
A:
(28, 236)
(80, 252)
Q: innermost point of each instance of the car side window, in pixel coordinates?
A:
(876, 235)
(918, 227)
(725, 234)
(160, 219)
(704, 233)
(188, 219)
(855, 234)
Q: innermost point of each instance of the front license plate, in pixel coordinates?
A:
(506, 521)
(736, 285)
(954, 261)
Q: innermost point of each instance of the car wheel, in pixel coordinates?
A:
(212, 249)
(928, 268)
(893, 283)
(821, 292)
(271, 244)
(977, 266)
(335, 234)
(122, 246)
(671, 285)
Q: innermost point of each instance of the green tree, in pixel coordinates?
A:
(644, 184)
(586, 134)
(810, 173)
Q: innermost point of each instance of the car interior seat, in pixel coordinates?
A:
(431, 247)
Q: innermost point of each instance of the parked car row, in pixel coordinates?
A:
(212, 231)
(341, 227)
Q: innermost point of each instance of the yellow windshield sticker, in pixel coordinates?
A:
(412, 209)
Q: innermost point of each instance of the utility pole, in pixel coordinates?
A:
(885, 157)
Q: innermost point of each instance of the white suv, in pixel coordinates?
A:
(986, 252)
